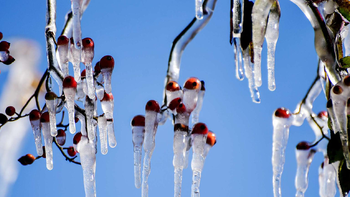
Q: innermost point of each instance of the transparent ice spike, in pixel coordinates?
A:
(48, 144)
(75, 58)
(248, 67)
(70, 96)
(76, 10)
(102, 127)
(111, 136)
(199, 9)
(100, 91)
(304, 159)
(137, 140)
(90, 80)
(37, 136)
(87, 152)
(196, 111)
(190, 98)
(238, 58)
(89, 105)
(179, 148)
(62, 58)
(107, 78)
(198, 144)
(52, 106)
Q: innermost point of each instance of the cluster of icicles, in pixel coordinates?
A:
(87, 86)
(183, 104)
(250, 24)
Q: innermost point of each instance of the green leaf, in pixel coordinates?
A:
(343, 175)
(345, 62)
(334, 148)
(344, 9)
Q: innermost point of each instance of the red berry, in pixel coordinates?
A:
(4, 46)
(322, 114)
(173, 86)
(138, 120)
(97, 68)
(45, 117)
(9, 60)
(152, 105)
(34, 115)
(3, 118)
(61, 137)
(181, 108)
(71, 151)
(62, 40)
(107, 97)
(303, 146)
(76, 120)
(337, 89)
(10, 110)
(192, 83)
(69, 82)
(83, 74)
(88, 43)
(27, 159)
(1, 35)
(200, 128)
(107, 62)
(282, 113)
(174, 103)
(50, 96)
(203, 85)
(211, 138)
(77, 137)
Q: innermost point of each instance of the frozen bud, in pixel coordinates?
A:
(173, 86)
(107, 63)
(211, 138)
(192, 83)
(303, 146)
(71, 151)
(322, 114)
(69, 82)
(34, 115)
(61, 137)
(4, 46)
(346, 80)
(181, 108)
(138, 120)
(62, 40)
(282, 113)
(200, 128)
(9, 60)
(50, 96)
(10, 110)
(174, 103)
(337, 89)
(27, 159)
(77, 138)
(152, 105)
(88, 43)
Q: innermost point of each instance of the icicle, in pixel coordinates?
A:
(102, 127)
(74, 56)
(34, 117)
(172, 91)
(111, 136)
(324, 48)
(196, 111)
(69, 89)
(51, 104)
(281, 121)
(81, 87)
(260, 13)
(138, 130)
(100, 92)
(304, 156)
(87, 56)
(327, 179)
(272, 32)
(179, 148)
(77, 11)
(81, 118)
(62, 54)
(107, 104)
(191, 89)
(188, 148)
(199, 138)
(152, 109)
(87, 152)
(248, 68)
(45, 125)
(236, 28)
(339, 96)
(89, 106)
(107, 66)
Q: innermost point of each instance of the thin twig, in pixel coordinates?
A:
(64, 154)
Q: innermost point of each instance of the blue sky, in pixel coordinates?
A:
(138, 34)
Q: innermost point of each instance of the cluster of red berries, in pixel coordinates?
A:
(5, 56)
(10, 111)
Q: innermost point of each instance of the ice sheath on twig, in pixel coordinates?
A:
(34, 117)
(107, 104)
(138, 130)
(51, 104)
(236, 27)
(45, 125)
(107, 66)
(86, 58)
(69, 89)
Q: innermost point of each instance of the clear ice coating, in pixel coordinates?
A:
(179, 148)
(280, 138)
(87, 56)
(151, 126)
(87, 152)
(190, 98)
(171, 95)
(196, 111)
(237, 27)
(100, 91)
(197, 163)
(272, 32)
(37, 136)
(52, 106)
(346, 40)
(304, 159)
(81, 118)
(45, 127)
(4, 55)
(238, 58)
(77, 11)
(89, 106)
(324, 49)
(74, 56)
(62, 58)
(199, 9)
(102, 127)
(137, 140)
(110, 131)
(260, 13)
(70, 96)
(248, 67)
(327, 179)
